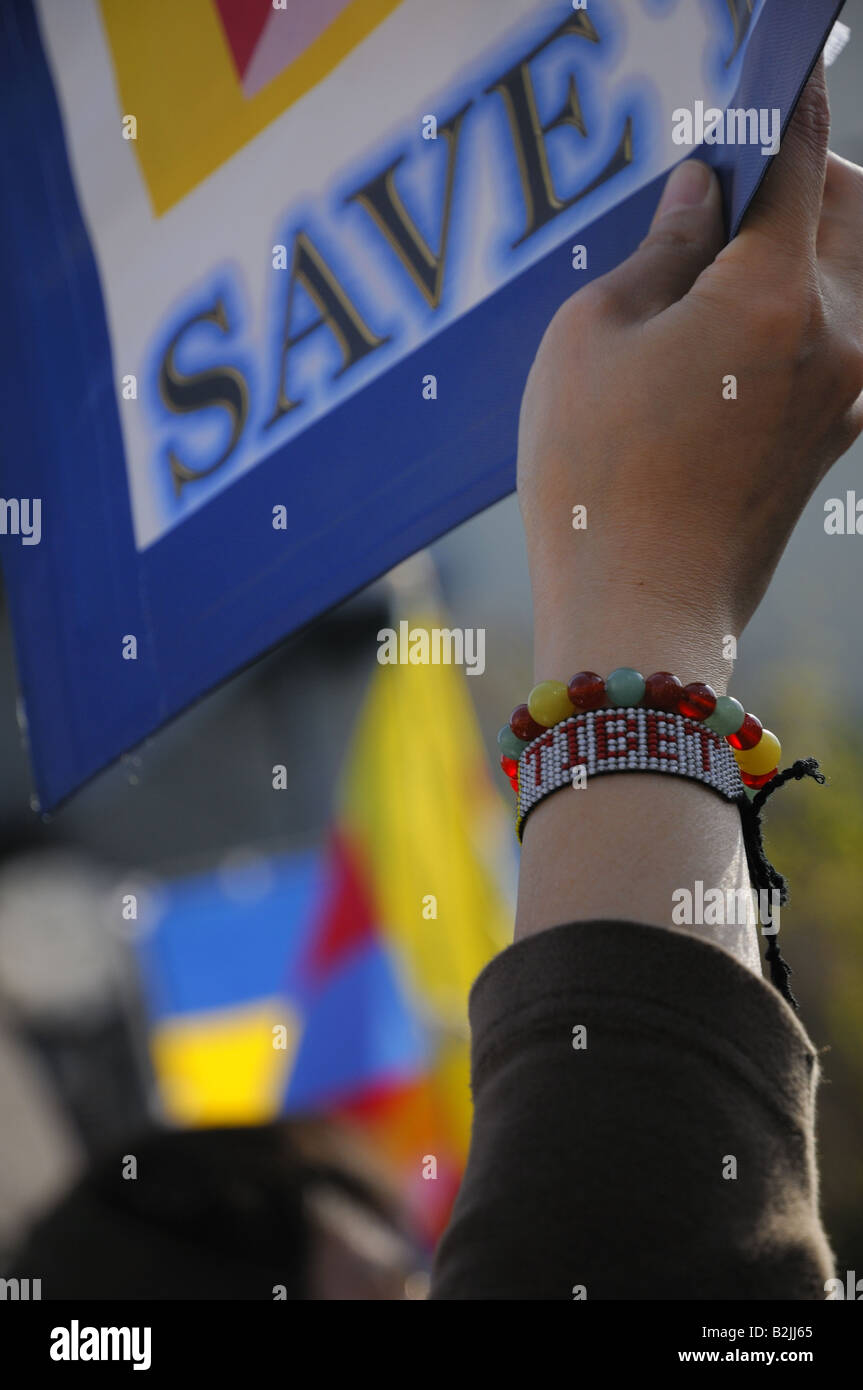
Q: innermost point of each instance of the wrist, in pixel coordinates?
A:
(599, 632)
(606, 641)
(559, 654)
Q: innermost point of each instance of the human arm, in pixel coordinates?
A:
(605, 1167)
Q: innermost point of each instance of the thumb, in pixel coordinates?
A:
(686, 234)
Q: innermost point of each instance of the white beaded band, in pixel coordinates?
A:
(623, 740)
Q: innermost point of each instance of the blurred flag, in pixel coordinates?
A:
(338, 982)
(269, 991)
(433, 840)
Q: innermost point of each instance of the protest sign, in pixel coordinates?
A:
(275, 277)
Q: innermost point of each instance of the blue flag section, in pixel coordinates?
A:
(270, 306)
(230, 962)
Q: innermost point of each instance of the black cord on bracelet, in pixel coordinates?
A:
(761, 872)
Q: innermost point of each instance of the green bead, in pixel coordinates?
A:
(509, 744)
(624, 687)
(727, 717)
(751, 792)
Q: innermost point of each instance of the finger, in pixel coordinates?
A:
(685, 235)
(840, 230)
(786, 210)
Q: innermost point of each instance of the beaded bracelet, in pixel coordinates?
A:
(756, 750)
(625, 739)
(653, 725)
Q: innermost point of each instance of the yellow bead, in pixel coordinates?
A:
(548, 703)
(762, 758)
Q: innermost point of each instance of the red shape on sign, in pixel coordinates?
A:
(244, 22)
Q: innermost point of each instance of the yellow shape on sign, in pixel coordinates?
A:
(176, 75)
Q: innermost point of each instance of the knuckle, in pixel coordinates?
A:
(844, 171)
(843, 193)
(787, 315)
(596, 300)
(813, 112)
(854, 176)
(847, 372)
(777, 322)
(674, 233)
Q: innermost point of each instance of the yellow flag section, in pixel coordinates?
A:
(220, 1067)
(433, 837)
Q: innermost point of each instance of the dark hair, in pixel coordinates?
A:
(212, 1214)
(24, 835)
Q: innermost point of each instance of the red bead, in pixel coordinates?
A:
(748, 734)
(697, 700)
(750, 780)
(509, 765)
(523, 724)
(586, 690)
(662, 691)
(513, 782)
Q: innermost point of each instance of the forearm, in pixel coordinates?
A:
(643, 1128)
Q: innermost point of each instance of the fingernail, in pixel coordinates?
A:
(688, 185)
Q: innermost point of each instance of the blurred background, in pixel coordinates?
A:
(186, 943)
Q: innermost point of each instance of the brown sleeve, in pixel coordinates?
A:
(609, 1165)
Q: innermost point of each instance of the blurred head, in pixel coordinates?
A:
(295, 1210)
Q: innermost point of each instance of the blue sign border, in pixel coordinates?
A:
(203, 608)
